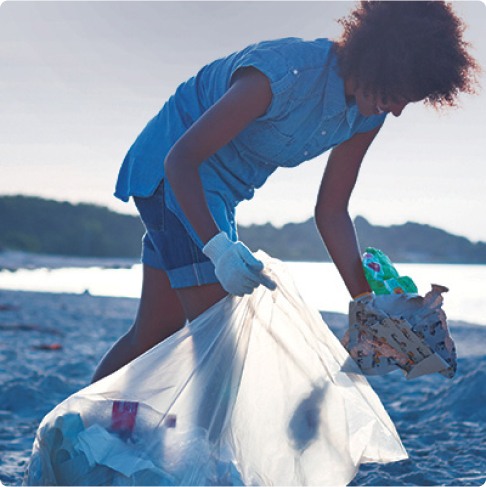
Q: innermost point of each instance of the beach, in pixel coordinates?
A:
(51, 344)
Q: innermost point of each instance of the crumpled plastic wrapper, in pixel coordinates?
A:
(401, 331)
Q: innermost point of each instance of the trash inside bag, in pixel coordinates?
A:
(398, 329)
(255, 391)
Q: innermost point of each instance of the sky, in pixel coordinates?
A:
(79, 81)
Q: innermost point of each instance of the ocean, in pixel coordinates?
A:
(319, 283)
(53, 333)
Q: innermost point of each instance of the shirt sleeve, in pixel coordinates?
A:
(268, 57)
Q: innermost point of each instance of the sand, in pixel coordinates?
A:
(50, 345)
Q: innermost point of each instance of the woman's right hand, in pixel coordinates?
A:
(237, 269)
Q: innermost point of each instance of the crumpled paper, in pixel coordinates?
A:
(401, 331)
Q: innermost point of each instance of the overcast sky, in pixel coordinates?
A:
(79, 80)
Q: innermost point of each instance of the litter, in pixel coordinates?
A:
(48, 346)
(255, 391)
(382, 275)
(398, 329)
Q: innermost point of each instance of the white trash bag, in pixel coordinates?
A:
(256, 391)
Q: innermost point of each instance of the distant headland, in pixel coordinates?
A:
(36, 225)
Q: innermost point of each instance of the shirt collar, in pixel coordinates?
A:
(335, 99)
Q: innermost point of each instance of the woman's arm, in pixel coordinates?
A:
(247, 98)
(331, 213)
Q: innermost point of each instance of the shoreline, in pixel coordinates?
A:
(334, 319)
(14, 301)
(316, 281)
(12, 260)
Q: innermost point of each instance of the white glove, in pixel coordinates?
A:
(236, 268)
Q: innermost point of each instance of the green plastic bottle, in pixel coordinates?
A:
(382, 275)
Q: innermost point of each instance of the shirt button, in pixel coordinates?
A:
(323, 132)
(295, 71)
(306, 153)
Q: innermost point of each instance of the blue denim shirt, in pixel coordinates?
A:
(308, 115)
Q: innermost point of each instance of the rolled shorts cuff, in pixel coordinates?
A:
(196, 274)
(192, 275)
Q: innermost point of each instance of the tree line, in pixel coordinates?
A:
(37, 225)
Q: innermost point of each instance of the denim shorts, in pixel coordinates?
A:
(167, 246)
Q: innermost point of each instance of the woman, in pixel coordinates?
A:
(277, 103)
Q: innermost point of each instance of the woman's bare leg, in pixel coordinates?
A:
(159, 315)
(213, 399)
(195, 300)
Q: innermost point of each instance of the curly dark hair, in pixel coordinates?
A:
(407, 49)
